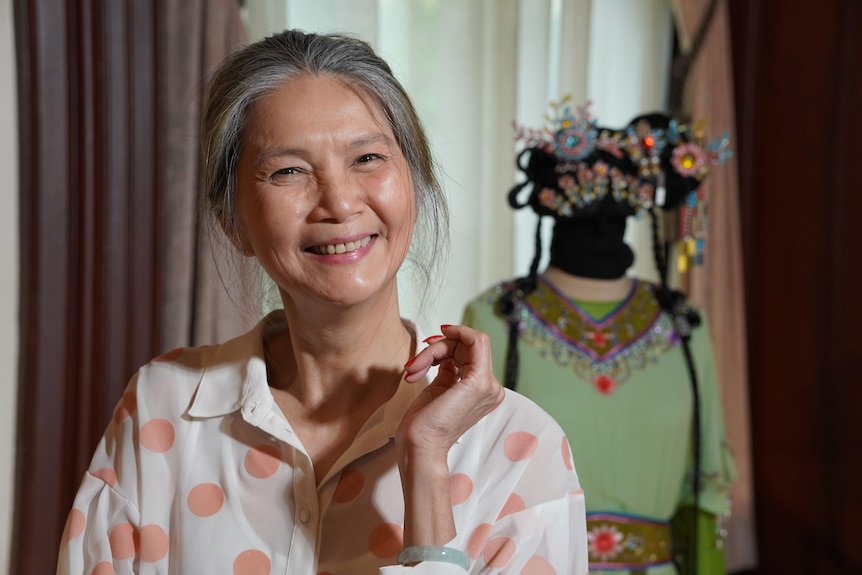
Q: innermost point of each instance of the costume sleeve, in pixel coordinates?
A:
(710, 557)
(102, 529)
(717, 467)
(717, 470)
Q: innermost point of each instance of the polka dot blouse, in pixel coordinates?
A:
(199, 472)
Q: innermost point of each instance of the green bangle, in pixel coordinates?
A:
(419, 553)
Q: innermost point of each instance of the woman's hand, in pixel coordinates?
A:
(464, 391)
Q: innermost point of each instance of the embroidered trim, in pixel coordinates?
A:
(618, 541)
(604, 351)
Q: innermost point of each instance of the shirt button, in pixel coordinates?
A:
(304, 516)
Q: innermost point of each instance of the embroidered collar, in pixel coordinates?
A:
(603, 351)
(598, 338)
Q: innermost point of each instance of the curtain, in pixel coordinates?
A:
(206, 290)
(718, 285)
(109, 94)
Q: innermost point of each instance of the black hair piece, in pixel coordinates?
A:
(510, 301)
(684, 318)
(509, 306)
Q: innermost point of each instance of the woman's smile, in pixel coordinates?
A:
(341, 247)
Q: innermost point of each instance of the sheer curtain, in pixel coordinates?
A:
(472, 69)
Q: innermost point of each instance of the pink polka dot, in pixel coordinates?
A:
(124, 541)
(251, 562)
(567, 454)
(262, 461)
(386, 540)
(106, 474)
(576, 492)
(499, 551)
(75, 523)
(477, 540)
(154, 543)
(460, 488)
(103, 568)
(158, 435)
(126, 406)
(205, 499)
(514, 504)
(536, 565)
(520, 445)
(170, 355)
(349, 486)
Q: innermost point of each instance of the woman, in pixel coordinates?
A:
(329, 439)
(623, 364)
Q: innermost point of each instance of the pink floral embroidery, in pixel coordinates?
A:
(604, 542)
(688, 159)
(599, 338)
(547, 197)
(567, 182)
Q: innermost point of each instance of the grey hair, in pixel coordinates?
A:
(247, 75)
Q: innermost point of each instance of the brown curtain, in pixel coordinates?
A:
(205, 298)
(113, 266)
(718, 285)
(798, 72)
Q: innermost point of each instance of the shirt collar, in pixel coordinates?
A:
(234, 378)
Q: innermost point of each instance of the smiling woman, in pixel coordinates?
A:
(325, 198)
(332, 438)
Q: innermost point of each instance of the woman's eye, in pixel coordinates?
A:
(283, 173)
(366, 158)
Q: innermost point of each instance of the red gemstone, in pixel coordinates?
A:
(604, 384)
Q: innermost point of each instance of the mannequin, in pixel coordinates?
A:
(624, 365)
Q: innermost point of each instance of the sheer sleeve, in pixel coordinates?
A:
(102, 533)
(519, 506)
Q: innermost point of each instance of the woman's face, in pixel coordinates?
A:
(325, 197)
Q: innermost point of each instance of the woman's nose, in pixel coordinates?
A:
(338, 197)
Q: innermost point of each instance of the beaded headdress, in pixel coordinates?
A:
(655, 161)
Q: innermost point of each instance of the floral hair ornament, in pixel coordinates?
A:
(654, 161)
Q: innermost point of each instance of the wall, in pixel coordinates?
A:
(9, 277)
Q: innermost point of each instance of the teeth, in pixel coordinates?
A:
(342, 248)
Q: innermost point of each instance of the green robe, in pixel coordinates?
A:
(614, 377)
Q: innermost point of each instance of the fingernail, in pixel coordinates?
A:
(433, 338)
(410, 361)
(445, 325)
